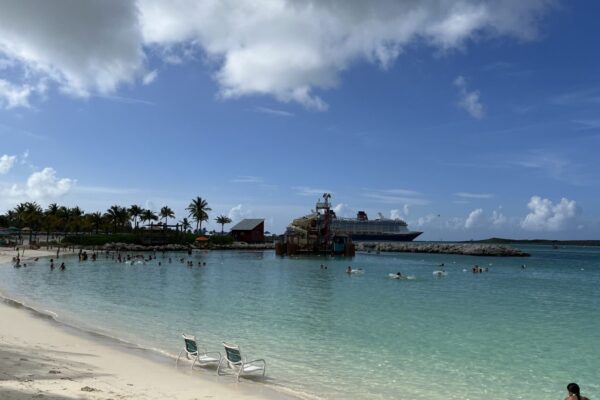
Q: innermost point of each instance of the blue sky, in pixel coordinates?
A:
(468, 119)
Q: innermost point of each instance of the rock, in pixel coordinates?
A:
(89, 389)
(470, 249)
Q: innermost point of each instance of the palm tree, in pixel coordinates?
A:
(166, 213)
(135, 211)
(185, 225)
(96, 220)
(223, 219)
(33, 215)
(148, 215)
(198, 211)
(116, 214)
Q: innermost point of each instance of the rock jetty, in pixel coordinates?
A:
(469, 249)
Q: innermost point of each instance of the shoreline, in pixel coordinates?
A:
(42, 356)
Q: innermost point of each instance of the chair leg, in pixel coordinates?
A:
(219, 367)
(195, 360)
(177, 360)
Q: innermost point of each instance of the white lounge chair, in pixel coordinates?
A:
(239, 365)
(192, 352)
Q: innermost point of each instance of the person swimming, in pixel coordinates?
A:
(574, 392)
(349, 270)
(62, 267)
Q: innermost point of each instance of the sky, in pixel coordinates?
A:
(468, 119)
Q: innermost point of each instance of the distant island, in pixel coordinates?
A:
(536, 241)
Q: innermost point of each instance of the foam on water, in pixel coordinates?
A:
(505, 334)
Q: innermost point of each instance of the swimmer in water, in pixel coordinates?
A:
(349, 270)
(574, 392)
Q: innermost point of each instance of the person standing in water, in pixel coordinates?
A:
(574, 394)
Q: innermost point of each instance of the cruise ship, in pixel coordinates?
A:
(362, 229)
(323, 224)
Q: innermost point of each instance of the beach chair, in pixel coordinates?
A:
(234, 360)
(193, 353)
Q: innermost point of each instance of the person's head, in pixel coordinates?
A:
(573, 388)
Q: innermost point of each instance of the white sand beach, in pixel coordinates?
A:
(40, 359)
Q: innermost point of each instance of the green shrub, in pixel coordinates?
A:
(220, 240)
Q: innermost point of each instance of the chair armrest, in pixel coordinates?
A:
(254, 361)
(217, 353)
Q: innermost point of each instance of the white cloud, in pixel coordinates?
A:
(546, 216)
(466, 195)
(149, 205)
(272, 111)
(44, 184)
(150, 77)
(469, 100)
(475, 219)
(396, 214)
(238, 213)
(498, 219)
(6, 163)
(13, 96)
(282, 48)
(343, 210)
(83, 46)
(41, 185)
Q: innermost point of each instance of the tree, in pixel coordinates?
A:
(96, 220)
(166, 213)
(32, 216)
(198, 209)
(185, 225)
(148, 215)
(118, 216)
(223, 219)
(135, 211)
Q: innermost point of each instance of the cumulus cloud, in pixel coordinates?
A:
(239, 212)
(397, 214)
(498, 219)
(6, 163)
(83, 46)
(475, 219)
(41, 185)
(469, 101)
(12, 96)
(283, 48)
(544, 215)
(343, 210)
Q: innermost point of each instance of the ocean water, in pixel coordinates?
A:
(510, 333)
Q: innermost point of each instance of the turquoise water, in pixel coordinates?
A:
(505, 334)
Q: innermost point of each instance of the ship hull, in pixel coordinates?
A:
(383, 237)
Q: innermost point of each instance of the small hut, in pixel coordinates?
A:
(249, 230)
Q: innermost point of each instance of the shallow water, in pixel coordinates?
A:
(510, 333)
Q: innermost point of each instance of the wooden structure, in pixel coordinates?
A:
(249, 230)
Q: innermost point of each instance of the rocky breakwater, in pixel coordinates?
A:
(469, 249)
(137, 247)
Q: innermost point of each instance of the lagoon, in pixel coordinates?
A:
(510, 333)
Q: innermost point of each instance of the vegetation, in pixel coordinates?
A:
(223, 219)
(198, 210)
(220, 240)
(116, 224)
